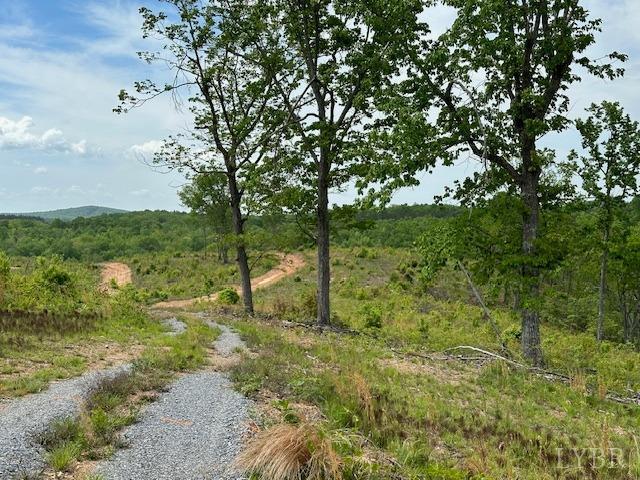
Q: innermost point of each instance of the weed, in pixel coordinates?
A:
(291, 452)
(63, 456)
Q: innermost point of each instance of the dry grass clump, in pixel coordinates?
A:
(291, 452)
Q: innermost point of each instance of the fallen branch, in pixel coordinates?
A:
(485, 355)
(546, 374)
(487, 313)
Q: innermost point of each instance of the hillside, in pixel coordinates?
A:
(71, 213)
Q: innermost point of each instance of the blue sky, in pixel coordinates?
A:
(62, 63)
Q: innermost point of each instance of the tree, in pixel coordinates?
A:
(609, 171)
(497, 81)
(210, 50)
(335, 55)
(626, 268)
(208, 196)
(5, 272)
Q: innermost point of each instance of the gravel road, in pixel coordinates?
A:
(24, 420)
(228, 342)
(176, 326)
(194, 431)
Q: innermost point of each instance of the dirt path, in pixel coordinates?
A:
(120, 272)
(289, 264)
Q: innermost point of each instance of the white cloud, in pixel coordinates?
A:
(19, 135)
(40, 170)
(147, 149)
(140, 193)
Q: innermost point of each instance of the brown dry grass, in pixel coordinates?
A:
(291, 452)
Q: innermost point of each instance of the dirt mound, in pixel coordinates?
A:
(114, 271)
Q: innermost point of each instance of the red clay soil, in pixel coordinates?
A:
(119, 272)
(289, 264)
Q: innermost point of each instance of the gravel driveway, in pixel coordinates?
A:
(24, 420)
(194, 431)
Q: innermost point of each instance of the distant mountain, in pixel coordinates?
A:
(71, 213)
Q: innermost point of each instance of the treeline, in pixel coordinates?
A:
(485, 242)
(101, 238)
(108, 237)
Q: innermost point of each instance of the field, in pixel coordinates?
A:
(409, 381)
(385, 383)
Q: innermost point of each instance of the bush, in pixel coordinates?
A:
(309, 304)
(367, 253)
(53, 274)
(228, 296)
(372, 315)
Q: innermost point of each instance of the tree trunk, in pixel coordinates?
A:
(626, 321)
(324, 269)
(530, 337)
(204, 234)
(602, 290)
(242, 258)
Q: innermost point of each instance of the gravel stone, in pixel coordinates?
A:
(24, 420)
(176, 326)
(192, 432)
(228, 342)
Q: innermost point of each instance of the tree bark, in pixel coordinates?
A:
(602, 289)
(530, 337)
(242, 258)
(324, 269)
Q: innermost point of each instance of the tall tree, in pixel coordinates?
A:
(336, 54)
(609, 170)
(208, 196)
(496, 82)
(209, 46)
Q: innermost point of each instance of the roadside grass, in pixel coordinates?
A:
(439, 419)
(188, 275)
(116, 403)
(35, 358)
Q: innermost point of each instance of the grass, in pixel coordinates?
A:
(438, 419)
(291, 452)
(116, 402)
(35, 358)
(188, 275)
(37, 347)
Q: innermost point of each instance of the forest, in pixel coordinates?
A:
(491, 333)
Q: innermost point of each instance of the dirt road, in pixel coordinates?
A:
(119, 272)
(289, 264)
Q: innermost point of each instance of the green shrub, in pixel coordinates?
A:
(228, 296)
(372, 315)
(367, 253)
(423, 328)
(53, 274)
(309, 303)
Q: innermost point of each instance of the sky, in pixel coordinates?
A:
(63, 62)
